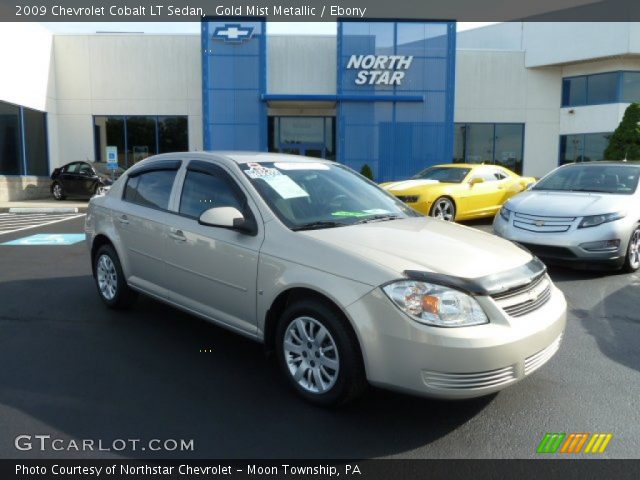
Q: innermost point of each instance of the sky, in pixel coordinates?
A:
(293, 28)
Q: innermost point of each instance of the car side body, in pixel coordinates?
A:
(477, 192)
(81, 179)
(246, 279)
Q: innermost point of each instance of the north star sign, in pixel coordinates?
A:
(379, 69)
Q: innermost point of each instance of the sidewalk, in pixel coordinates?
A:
(44, 206)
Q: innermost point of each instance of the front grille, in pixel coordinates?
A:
(536, 360)
(469, 381)
(549, 251)
(542, 224)
(526, 299)
(407, 198)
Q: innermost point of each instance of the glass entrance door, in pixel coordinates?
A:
(309, 136)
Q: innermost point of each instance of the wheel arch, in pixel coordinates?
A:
(289, 296)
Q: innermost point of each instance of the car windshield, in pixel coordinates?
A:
(309, 196)
(102, 169)
(607, 178)
(443, 174)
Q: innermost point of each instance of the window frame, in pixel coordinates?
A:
(619, 95)
(124, 117)
(160, 165)
(494, 162)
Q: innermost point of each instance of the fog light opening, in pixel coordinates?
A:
(602, 246)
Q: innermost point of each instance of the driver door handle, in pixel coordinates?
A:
(177, 235)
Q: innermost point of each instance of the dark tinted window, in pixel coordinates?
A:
(151, 189)
(574, 91)
(444, 174)
(602, 88)
(85, 169)
(631, 87)
(202, 191)
(172, 134)
(35, 126)
(10, 148)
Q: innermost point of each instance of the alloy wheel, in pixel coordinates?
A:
(634, 250)
(107, 277)
(57, 191)
(311, 355)
(444, 210)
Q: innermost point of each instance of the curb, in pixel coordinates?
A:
(43, 210)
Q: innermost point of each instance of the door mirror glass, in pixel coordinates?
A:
(476, 180)
(226, 217)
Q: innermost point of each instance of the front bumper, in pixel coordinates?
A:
(455, 363)
(568, 247)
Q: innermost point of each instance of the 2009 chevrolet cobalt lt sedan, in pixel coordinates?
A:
(347, 284)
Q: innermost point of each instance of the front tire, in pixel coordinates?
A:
(57, 191)
(112, 286)
(319, 355)
(444, 209)
(632, 260)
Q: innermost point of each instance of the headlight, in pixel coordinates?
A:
(595, 220)
(505, 213)
(435, 305)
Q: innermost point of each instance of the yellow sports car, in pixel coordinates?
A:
(459, 191)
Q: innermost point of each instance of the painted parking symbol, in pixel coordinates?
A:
(48, 239)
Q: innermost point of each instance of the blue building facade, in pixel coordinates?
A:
(394, 96)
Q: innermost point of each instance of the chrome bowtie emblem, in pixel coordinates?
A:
(233, 33)
(539, 223)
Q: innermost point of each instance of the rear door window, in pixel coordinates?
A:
(151, 189)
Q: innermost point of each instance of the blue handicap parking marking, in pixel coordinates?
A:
(48, 239)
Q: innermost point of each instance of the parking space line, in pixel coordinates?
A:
(25, 224)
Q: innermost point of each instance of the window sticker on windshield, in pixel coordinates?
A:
(377, 211)
(344, 213)
(300, 166)
(258, 171)
(284, 186)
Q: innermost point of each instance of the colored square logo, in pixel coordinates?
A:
(48, 239)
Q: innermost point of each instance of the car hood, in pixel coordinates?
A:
(569, 204)
(425, 244)
(397, 187)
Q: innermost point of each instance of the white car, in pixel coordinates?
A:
(582, 213)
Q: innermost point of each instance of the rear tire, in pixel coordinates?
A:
(110, 281)
(57, 191)
(632, 260)
(318, 354)
(444, 209)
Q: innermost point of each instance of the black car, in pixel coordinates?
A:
(82, 179)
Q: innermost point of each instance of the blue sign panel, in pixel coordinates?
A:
(48, 239)
(382, 60)
(234, 77)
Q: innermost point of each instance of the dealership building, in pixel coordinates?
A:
(397, 96)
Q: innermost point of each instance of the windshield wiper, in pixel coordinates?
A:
(318, 225)
(377, 218)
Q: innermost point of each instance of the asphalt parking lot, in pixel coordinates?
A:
(73, 369)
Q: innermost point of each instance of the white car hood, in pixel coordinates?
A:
(566, 204)
(426, 244)
(405, 184)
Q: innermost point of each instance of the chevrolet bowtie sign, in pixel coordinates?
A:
(233, 33)
(379, 69)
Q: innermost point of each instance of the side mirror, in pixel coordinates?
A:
(476, 180)
(227, 217)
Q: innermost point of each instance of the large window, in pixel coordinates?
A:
(583, 147)
(23, 141)
(151, 189)
(137, 137)
(601, 88)
(310, 136)
(499, 143)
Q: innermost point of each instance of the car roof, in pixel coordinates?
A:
(467, 165)
(632, 163)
